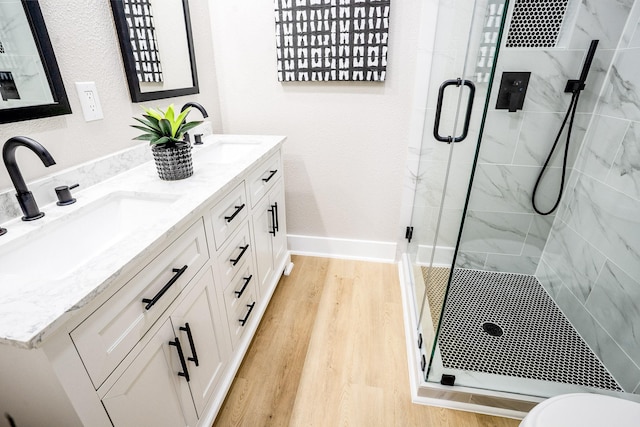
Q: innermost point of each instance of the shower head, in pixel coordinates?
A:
(574, 86)
(587, 61)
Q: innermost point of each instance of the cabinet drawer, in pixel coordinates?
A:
(241, 314)
(242, 284)
(228, 214)
(233, 256)
(263, 178)
(106, 336)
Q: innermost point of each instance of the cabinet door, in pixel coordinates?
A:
(197, 322)
(150, 392)
(263, 232)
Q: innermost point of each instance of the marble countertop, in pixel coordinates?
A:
(30, 310)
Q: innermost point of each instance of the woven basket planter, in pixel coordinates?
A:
(173, 163)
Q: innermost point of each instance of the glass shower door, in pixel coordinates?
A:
(458, 89)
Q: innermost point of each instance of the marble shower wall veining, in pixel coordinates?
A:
(501, 230)
(591, 264)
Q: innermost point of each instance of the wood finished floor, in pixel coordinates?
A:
(330, 351)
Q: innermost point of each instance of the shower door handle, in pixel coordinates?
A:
(465, 130)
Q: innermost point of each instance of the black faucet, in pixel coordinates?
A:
(25, 198)
(204, 115)
(196, 106)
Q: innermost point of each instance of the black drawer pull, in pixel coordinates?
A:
(271, 174)
(246, 317)
(194, 356)
(233, 215)
(151, 302)
(241, 291)
(244, 249)
(185, 371)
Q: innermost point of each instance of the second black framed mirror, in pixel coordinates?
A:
(157, 48)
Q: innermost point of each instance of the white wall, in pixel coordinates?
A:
(347, 142)
(86, 46)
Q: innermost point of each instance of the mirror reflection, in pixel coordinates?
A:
(30, 82)
(157, 47)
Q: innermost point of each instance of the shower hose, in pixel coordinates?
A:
(571, 113)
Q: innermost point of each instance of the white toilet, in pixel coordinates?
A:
(584, 410)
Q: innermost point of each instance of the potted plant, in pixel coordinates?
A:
(165, 132)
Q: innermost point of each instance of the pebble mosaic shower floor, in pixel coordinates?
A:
(536, 340)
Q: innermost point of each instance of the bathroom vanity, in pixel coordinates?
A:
(142, 311)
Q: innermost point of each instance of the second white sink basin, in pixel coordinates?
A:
(225, 152)
(56, 249)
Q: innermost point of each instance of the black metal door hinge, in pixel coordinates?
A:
(408, 234)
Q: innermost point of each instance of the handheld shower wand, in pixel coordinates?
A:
(574, 87)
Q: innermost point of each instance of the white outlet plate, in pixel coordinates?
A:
(89, 100)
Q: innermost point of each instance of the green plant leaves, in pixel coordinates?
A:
(164, 127)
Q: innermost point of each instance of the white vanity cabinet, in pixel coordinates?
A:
(269, 221)
(172, 378)
(160, 346)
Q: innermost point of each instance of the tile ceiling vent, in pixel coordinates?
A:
(536, 23)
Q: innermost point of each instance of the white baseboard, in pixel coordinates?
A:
(362, 250)
(442, 258)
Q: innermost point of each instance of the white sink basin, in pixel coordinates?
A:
(225, 152)
(56, 249)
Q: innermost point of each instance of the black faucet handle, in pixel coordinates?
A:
(64, 194)
(3, 231)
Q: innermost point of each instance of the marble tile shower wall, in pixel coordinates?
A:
(501, 230)
(591, 264)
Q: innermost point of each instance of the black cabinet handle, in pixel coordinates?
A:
(194, 356)
(436, 126)
(233, 215)
(185, 371)
(271, 174)
(151, 302)
(244, 249)
(277, 223)
(273, 211)
(246, 317)
(241, 291)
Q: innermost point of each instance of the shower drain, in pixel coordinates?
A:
(492, 329)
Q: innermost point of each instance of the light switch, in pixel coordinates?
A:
(89, 100)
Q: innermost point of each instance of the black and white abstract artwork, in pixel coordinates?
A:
(326, 40)
(142, 35)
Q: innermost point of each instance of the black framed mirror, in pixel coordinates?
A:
(30, 82)
(157, 48)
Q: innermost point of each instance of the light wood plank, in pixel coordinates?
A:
(330, 352)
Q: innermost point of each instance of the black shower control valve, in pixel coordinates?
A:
(198, 138)
(64, 194)
(574, 86)
(513, 88)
